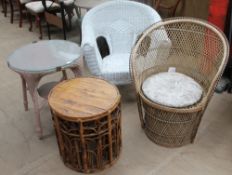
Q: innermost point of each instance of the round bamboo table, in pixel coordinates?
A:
(87, 120)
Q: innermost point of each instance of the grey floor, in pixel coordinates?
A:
(21, 153)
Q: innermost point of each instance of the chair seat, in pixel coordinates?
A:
(24, 1)
(37, 6)
(67, 2)
(172, 89)
(116, 67)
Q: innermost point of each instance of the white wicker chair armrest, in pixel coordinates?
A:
(91, 53)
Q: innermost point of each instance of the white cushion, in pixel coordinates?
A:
(116, 66)
(37, 6)
(24, 1)
(67, 2)
(172, 89)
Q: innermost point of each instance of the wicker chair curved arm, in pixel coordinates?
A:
(91, 53)
(141, 50)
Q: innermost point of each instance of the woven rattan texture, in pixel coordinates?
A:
(195, 48)
(92, 145)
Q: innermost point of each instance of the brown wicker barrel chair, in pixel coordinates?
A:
(194, 48)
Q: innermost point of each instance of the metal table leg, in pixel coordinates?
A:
(32, 81)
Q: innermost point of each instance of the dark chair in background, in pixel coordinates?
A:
(15, 6)
(5, 9)
(228, 32)
(52, 18)
(3, 4)
(22, 10)
(58, 18)
(159, 5)
(165, 8)
(36, 8)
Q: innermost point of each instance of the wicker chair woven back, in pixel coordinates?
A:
(193, 47)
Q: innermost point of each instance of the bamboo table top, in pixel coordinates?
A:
(83, 98)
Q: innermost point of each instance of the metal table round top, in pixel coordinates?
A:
(44, 56)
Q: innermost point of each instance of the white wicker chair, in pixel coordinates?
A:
(120, 23)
